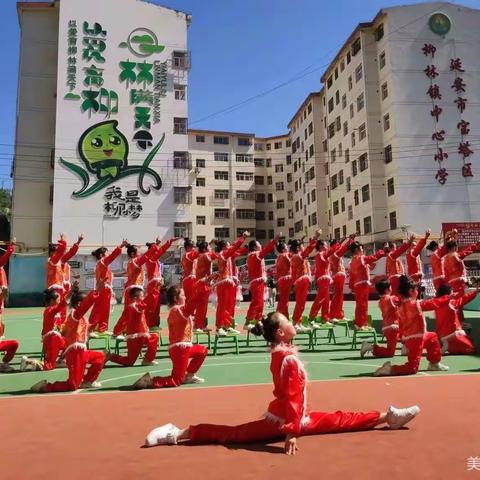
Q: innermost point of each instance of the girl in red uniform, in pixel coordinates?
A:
(186, 357)
(287, 416)
(414, 264)
(436, 262)
(258, 279)
(77, 357)
(393, 265)
(389, 307)
(226, 288)
(154, 280)
(283, 271)
(8, 347)
(101, 310)
(337, 271)
(301, 278)
(137, 332)
(359, 272)
(453, 338)
(242, 251)
(188, 267)
(413, 331)
(54, 264)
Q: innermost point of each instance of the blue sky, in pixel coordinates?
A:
(240, 48)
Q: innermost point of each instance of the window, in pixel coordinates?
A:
(280, 203)
(336, 233)
(363, 162)
(393, 220)
(355, 197)
(367, 225)
(259, 215)
(358, 73)
(244, 141)
(182, 195)
(290, 213)
(269, 180)
(220, 157)
(200, 163)
(350, 212)
(219, 175)
(342, 65)
(260, 197)
(348, 183)
(331, 130)
(258, 147)
(201, 220)
(180, 125)
(200, 138)
(345, 128)
(325, 146)
(221, 194)
(333, 155)
(336, 211)
(344, 101)
(270, 197)
(220, 140)
(182, 229)
(279, 186)
(244, 158)
(259, 162)
(381, 60)
(342, 204)
(288, 160)
(280, 222)
(388, 154)
(288, 143)
(310, 128)
(278, 168)
(352, 110)
(350, 83)
(360, 102)
(329, 81)
(290, 196)
(336, 73)
(289, 178)
(354, 168)
(366, 193)
(270, 215)
(261, 234)
(311, 150)
(259, 180)
(338, 124)
(349, 58)
(384, 91)
(200, 182)
(334, 182)
(244, 214)
(362, 132)
(269, 146)
(181, 160)
(201, 201)
(246, 195)
(201, 238)
(245, 176)
(356, 47)
(221, 213)
(277, 145)
(180, 61)
(330, 105)
(268, 162)
(222, 233)
(347, 155)
(390, 187)
(314, 195)
(386, 122)
(340, 177)
(179, 91)
(357, 227)
(337, 97)
(379, 32)
(271, 234)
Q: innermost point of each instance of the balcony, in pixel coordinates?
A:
(218, 202)
(181, 60)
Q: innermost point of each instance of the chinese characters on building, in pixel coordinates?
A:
(72, 56)
(118, 205)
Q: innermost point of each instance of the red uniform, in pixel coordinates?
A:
(287, 413)
(394, 266)
(389, 307)
(337, 271)
(67, 276)
(436, 260)
(9, 347)
(414, 264)
(301, 279)
(322, 275)
(186, 357)
(284, 281)
(3, 276)
(189, 279)
(448, 326)
(455, 272)
(413, 332)
(258, 279)
(239, 253)
(359, 272)
(75, 332)
(203, 270)
(100, 313)
(52, 339)
(54, 267)
(137, 335)
(226, 287)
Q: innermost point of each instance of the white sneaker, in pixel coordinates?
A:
(24, 364)
(198, 330)
(164, 435)
(90, 385)
(315, 325)
(146, 363)
(384, 370)
(144, 381)
(437, 367)
(120, 338)
(39, 387)
(192, 378)
(366, 347)
(398, 417)
(301, 329)
(6, 368)
(221, 332)
(404, 349)
(248, 326)
(93, 335)
(231, 330)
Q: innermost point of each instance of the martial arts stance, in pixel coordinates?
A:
(287, 415)
(283, 272)
(393, 265)
(188, 266)
(414, 263)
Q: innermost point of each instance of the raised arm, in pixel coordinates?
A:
(8, 253)
(268, 248)
(398, 252)
(342, 250)
(60, 250)
(420, 245)
(468, 250)
(309, 249)
(86, 304)
(113, 255)
(292, 384)
(467, 298)
(370, 259)
(233, 248)
(434, 303)
(163, 248)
